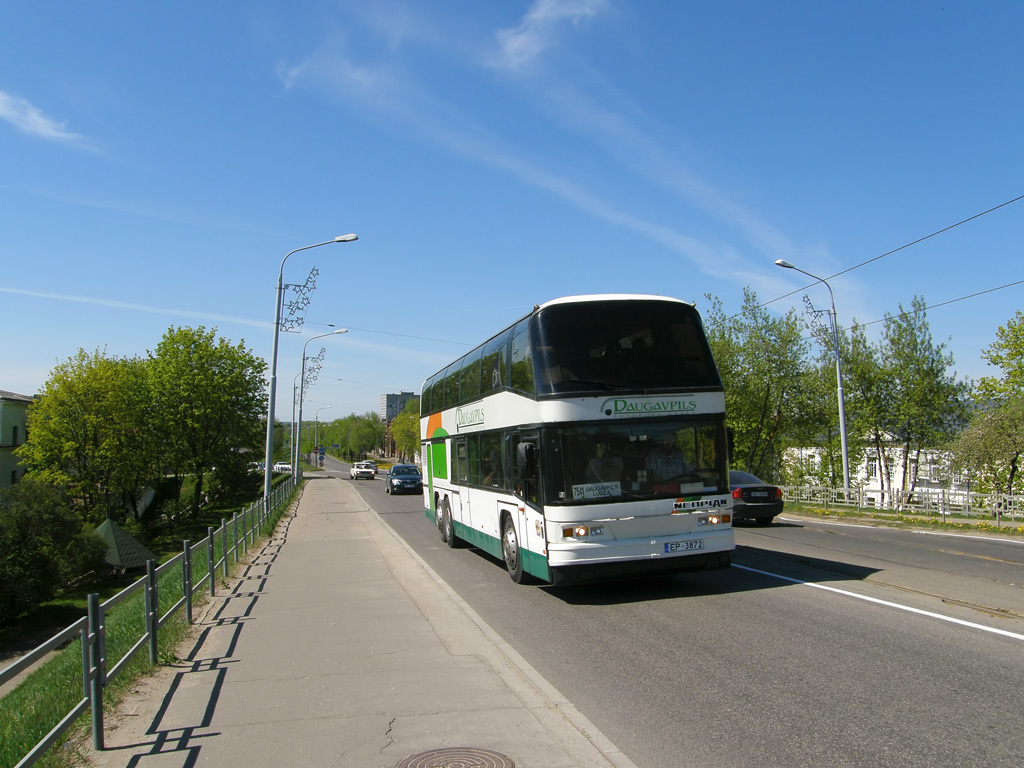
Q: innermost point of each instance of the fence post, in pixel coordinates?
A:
(224, 543)
(245, 532)
(234, 534)
(152, 610)
(95, 672)
(210, 575)
(186, 579)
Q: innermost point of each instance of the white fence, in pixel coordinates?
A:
(931, 502)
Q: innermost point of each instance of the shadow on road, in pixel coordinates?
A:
(717, 582)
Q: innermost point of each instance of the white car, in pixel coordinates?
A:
(362, 470)
(282, 466)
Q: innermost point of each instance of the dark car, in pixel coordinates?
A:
(753, 498)
(403, 478)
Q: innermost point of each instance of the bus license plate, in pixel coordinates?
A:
(682, 546)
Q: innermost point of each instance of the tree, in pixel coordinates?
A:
(405, 429)
(930, 406)
(210, 397)
(991, 447)
(1006, 353)
(871, 396)
(89, 432)
(761, 360)
(43, 545)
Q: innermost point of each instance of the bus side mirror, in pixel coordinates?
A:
(526, 455)
(731, 440)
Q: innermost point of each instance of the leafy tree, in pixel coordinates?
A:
(43, 545)
(405, 429)
(210, 396)
(761, 360)
(1006, 353)
(991, 447)
(89, 432)
(871, 395)
(930, 404)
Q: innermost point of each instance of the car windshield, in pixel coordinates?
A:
(742, 478)
(406, 471)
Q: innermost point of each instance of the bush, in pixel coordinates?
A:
(43, 546)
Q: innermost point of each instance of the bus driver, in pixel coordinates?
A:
(666, 461)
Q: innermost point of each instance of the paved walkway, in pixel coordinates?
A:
(338, 646)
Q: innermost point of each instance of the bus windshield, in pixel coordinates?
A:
(635, 345)
(632, 461)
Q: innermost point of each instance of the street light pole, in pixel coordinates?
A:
(272, 396)
(316, 419)
(839, 370)
(294, 446)
(302, 394)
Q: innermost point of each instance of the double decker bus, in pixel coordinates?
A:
(585, 441)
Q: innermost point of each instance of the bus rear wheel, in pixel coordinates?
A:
(448, 528)
(439, 515)
(510, 550)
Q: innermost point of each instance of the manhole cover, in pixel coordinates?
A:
(457, 757)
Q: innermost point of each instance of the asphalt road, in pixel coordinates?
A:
(825, 645)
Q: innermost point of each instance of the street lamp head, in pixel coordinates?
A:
(784, 264)
(346, 238)
(340, 330)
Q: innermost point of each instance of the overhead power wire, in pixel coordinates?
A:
(905, 313)
(902, 247)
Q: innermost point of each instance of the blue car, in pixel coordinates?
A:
(403, 478)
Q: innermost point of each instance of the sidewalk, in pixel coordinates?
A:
(339, 647)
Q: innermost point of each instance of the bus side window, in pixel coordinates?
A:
(471, 466)
(521, 359)
(491, 465)
(493, 373)
(462, 461)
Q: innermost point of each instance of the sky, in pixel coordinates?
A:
(159, 161)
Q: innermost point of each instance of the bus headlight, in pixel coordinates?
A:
(714, 519)
(582, 531)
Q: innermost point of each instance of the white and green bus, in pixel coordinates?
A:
(585, 441)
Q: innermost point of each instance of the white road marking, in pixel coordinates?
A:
(979, 535)
(887, 603)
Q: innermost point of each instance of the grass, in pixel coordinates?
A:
(889, 517)
(38, 704)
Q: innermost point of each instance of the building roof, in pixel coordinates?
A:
(5, 395)
(123, 549)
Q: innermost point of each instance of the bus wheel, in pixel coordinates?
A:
(510, 549)
(448, 529)
(439, 515)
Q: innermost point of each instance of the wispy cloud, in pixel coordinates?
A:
(185, 313)
(400, 100)
(539, 28)
(31, 120)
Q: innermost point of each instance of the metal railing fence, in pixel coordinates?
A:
(107, 642)
(941, 503)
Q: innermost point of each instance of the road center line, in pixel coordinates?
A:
(886, 603)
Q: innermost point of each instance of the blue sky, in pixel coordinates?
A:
(157, 162)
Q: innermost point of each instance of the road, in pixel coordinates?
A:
(825, 645)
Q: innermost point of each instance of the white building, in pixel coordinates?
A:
(882, 478)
